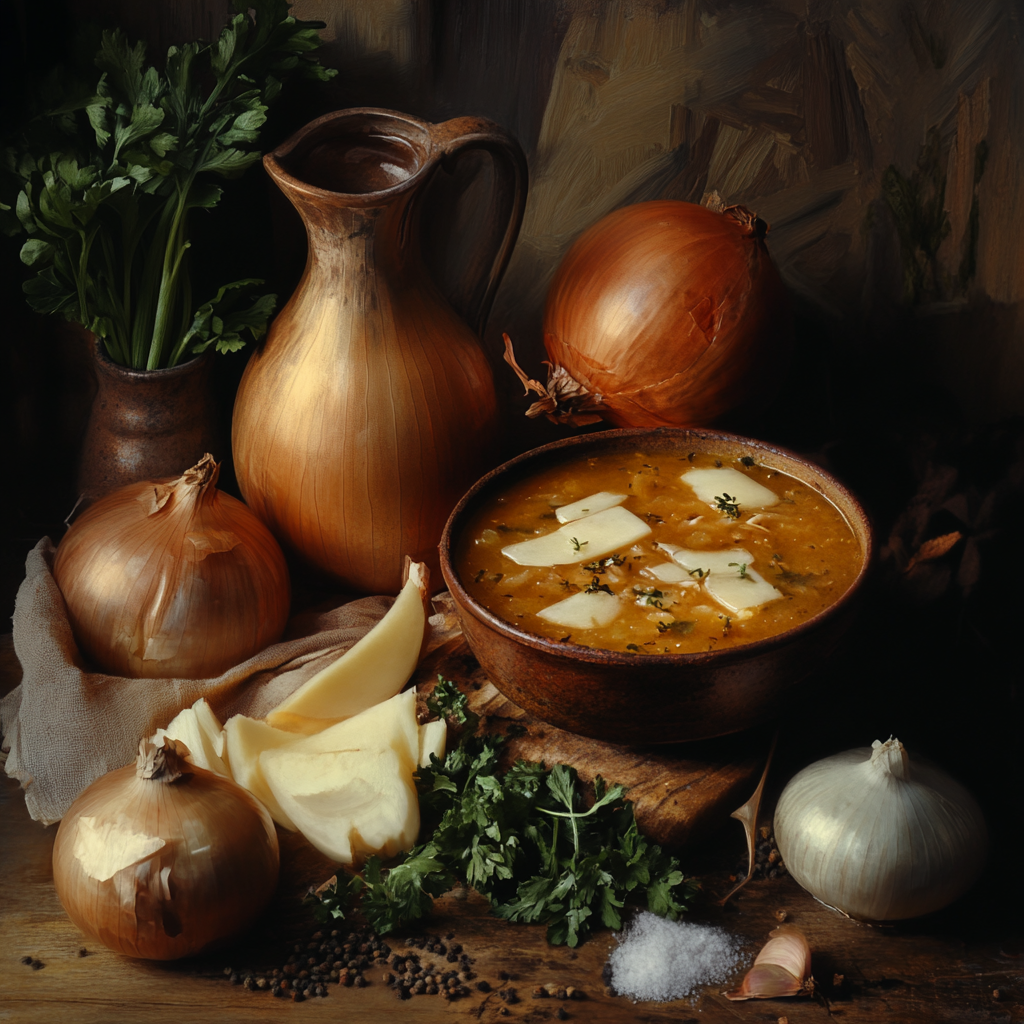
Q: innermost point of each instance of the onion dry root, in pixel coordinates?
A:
(172, 579)
(162, 859)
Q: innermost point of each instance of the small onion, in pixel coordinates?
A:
(867, 835)
(663, 314)
(162, 859)
(172, 579)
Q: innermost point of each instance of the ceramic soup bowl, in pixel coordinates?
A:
(632, 697)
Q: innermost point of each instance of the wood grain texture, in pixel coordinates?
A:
(681, 793)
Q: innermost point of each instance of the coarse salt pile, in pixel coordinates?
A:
(659, 960)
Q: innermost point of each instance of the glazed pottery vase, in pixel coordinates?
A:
(146, 424)
(370, 407)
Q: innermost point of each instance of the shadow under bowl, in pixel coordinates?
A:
(649, 698)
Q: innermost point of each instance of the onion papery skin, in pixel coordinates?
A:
(211, 879)
(672, 313)
(172, 579)
(877, 847)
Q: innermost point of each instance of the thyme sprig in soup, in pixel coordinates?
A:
(658, 554)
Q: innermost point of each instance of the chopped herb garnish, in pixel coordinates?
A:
(727, 626)
(578, 545)
(748, 461)
(795, 579)
(676, 626)
(728, 504)
(699, 573)
(595, 585)
(649, 595)
(718, 463)
(633, 648)
(568, 585)
(480, 575)
(504, 528)
(565, 639)
(742, 566)
(548, 515)
(654, 517)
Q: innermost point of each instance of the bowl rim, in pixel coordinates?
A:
(601, 656)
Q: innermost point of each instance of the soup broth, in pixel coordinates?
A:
(658, 554)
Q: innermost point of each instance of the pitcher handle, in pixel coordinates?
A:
(509, 194)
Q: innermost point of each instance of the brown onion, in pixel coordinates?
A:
(162, 859)
(172, 579)
(663, 314)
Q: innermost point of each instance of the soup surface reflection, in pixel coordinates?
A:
(658, 554)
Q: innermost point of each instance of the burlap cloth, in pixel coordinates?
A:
(65, 726)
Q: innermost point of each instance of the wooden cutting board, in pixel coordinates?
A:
(680, 793)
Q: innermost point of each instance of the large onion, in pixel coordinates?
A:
(664, 314)
(162, 859)
(172, 579)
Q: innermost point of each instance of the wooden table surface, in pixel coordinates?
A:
(957, 966)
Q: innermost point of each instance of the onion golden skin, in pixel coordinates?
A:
(210, 880)
(876, 847)
(183, 592)
(674, 314)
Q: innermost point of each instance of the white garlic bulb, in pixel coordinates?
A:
(868, 835)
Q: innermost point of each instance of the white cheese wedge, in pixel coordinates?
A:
(200, 730)
(371, 671)
(433, 740)
(247, 738)
(350, 804)
(709, 484)
(581, 541)
(390, 725)
(667, 572)
(739, 593)
(703, 563)
(583, 610)
(589, 506)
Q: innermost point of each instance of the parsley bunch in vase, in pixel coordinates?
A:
(105, 182)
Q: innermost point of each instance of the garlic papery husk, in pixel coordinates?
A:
(879, 838)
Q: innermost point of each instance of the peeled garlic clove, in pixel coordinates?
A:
(782, 968)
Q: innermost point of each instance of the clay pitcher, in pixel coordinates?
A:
(371, 407)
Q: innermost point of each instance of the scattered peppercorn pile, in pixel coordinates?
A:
(767, 859)
(426, 965)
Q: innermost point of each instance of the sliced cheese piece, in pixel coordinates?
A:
(200, 730)
(589, 506)
(433, 739)
(581, 541)
(583, 610)
(699, 564)
(667, 572)
(739, 593)
(350, 804)
(709, 484)
(390, 725)
(376, 668)
(247, 738)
